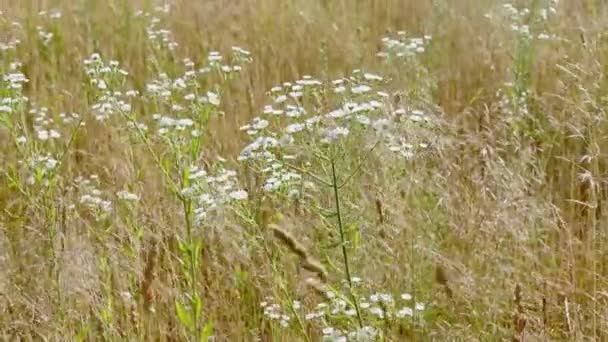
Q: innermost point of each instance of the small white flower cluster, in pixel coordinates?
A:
(274, 312)
(277, 175)
(511, 102)
(178, 96)
(98, 70)
(335, 310)
(91, 197)
(51, 14)
(127, 196)
(103, 76)
(43, 124)
(168, 124)
(382, 305)
(212, 192)
(288, 100)
(402, 46)
(68, 118)
(183, 99)
(337, 317)
(11, 85)
(519, 23)
(330, 334)
(365, 334)
(379, 305)
(158, 35)
(286, 125)
(45, 37)
(517, 17)
(40, 166)
(171, 91)
(109, 104)
(240, 56)
(163, 86)
(15, 80)
(216, 61)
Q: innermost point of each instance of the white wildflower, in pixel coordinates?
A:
(406, 296)
(239, 195)
(372, 77)
(405, 312)
(360, 89)
(213, 98)
(127, 196)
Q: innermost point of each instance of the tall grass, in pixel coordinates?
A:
(303, 170)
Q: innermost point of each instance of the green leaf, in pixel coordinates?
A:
(206, 332)
(356, 238)
(186, 178)
(195, 147)
(198, 307)
(328, 213)
(184, 316)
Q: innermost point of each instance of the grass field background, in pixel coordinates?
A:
(299, 170)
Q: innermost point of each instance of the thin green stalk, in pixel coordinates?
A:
(296, 315)
(343, 241)
(187, 207)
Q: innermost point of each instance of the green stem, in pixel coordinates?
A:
(343, 242)
(187, 207)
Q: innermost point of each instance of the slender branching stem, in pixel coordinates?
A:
(343, 241)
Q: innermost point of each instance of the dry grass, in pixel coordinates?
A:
(499, 227)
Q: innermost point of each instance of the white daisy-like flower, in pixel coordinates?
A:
(239, 195)
(213, 98)
(127, 196)
(372, 77)
(360, 89)
(294, 128)
(405, 312)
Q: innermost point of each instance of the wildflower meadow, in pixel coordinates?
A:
(303, 170)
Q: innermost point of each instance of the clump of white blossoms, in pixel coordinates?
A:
(274, 312)
(14, 79)
(402, 46)
(40, 167)
(336, 317)
(183, 103)
(211, 192)
(294, 121)
(157, 33)
(91, 196)
(39, 161)
(45, 33)
(527, 23)
(107, 79)
(44, 124)
(125, 195)
(13, 101)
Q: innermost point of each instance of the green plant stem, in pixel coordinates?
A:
(187, 207)
(343, 241)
